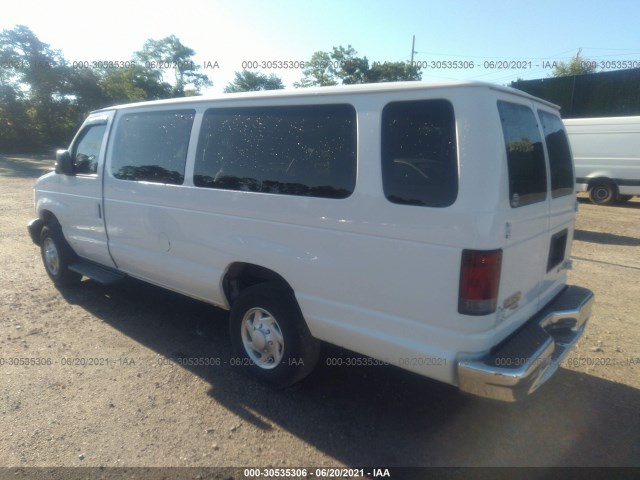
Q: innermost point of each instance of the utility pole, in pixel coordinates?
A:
(413, 44)
(573, 84)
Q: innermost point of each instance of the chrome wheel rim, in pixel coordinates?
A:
(262, 338)
(51, 257)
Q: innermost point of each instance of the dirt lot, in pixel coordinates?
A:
(138, 407)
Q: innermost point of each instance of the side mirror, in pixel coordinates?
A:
(64, 164)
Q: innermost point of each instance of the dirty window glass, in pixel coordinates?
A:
(87, 150)
(307, 150)
(525, 155)
(152, 146)
(419, 156)
(560, 162)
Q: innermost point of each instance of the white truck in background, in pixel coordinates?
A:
(606, 153)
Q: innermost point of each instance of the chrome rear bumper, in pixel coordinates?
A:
(528, 358)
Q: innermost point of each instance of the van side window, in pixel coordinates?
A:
(560, 164)
(87, 150)
(419, 155)
(307, 150)
(152, 146)
(525, 156)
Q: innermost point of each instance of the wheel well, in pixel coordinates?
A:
(601, 180)
(242, 275)
(35, 227)
(48, 218)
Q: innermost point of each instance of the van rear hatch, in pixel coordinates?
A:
(538, 318)
(540, 211)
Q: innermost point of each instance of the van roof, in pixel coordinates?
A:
(335, 90)
(602, 120)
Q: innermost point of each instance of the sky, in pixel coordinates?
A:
(447, 33)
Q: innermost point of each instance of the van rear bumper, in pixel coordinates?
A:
(530, 356)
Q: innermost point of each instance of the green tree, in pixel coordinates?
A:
(577, 66)
(37, 65)
(393, 72)
(39, 79)
(133, 84)
(15, 123)
(170, 54)
(318, 72)
(43, 99)
(350, 68)
(344, 66)
(247, 81)
(83, 87)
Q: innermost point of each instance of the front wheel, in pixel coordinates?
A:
(57, 255)
(270, 337)
(603, 193)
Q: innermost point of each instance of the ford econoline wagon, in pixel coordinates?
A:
(424, 225)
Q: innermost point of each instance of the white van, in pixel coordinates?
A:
(606, 152)
(424, 225)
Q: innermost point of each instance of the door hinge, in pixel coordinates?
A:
(507, 230)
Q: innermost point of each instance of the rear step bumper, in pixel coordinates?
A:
(530, 356)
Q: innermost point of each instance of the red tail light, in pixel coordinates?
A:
(479, 281)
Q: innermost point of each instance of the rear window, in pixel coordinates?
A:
(419, 157)
(560, 162)
(307, 150)
(152, 146)
(525, 155)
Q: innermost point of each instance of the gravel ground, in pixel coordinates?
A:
(134, 405)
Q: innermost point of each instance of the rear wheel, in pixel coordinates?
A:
(270, 337)
(603, 193)
(57, 255)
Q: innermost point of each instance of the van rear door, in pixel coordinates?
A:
(541, 213)
(561, 200)
(527, 210)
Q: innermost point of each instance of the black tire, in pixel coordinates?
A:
(57, 255)
(624, 198)
(282, 351)
(603, 193)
